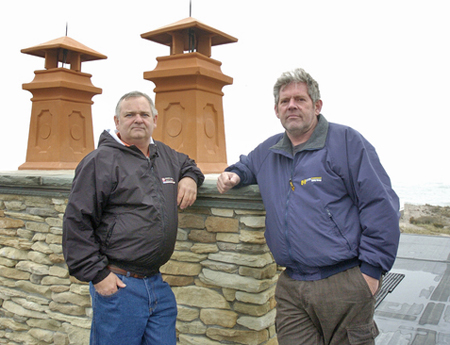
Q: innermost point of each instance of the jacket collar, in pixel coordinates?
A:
(315, 142)
(109, 134)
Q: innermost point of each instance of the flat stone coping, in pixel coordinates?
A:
(43, 182)
(35, 178)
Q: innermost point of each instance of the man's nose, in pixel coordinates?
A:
(138, 118)
(292, 103)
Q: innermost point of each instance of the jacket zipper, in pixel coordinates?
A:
(286, 231)
(161, 207)
(291, 184)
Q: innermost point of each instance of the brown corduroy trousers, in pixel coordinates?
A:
(337, 310)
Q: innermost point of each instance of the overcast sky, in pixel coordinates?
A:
(383, 67)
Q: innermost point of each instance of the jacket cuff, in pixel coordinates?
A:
(101, 275)
(239, 173)
(194, 177)
(371, 271)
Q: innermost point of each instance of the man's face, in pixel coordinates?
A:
(296, 110)
(135, 122)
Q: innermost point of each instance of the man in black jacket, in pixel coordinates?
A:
(120, 226)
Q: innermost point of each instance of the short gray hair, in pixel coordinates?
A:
(134, 94)
(296, 76)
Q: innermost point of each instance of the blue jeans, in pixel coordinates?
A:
(142, 313)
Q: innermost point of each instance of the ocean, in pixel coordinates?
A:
(421, 193)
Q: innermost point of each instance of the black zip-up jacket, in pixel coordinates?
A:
(122, 209)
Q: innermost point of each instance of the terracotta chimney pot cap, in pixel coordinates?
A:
(163, 34)
(86, 53)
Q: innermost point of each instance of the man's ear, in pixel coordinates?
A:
(318, 107)
(276, 110)
(116, 121)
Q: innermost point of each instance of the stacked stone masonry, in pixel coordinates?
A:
(222, 273)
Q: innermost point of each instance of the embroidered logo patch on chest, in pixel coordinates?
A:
(168, 180)
(311, 179)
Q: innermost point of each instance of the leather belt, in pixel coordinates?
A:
(118, 270)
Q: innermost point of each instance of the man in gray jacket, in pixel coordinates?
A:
(120, 226)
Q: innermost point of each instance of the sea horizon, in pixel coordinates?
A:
(430, 193)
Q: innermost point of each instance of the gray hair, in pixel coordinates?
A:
(133, 94)
(296, 76)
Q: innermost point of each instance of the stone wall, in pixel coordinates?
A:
(221, 272)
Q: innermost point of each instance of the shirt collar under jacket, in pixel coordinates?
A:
(152, 153)
(315, 142)
(114, 132)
